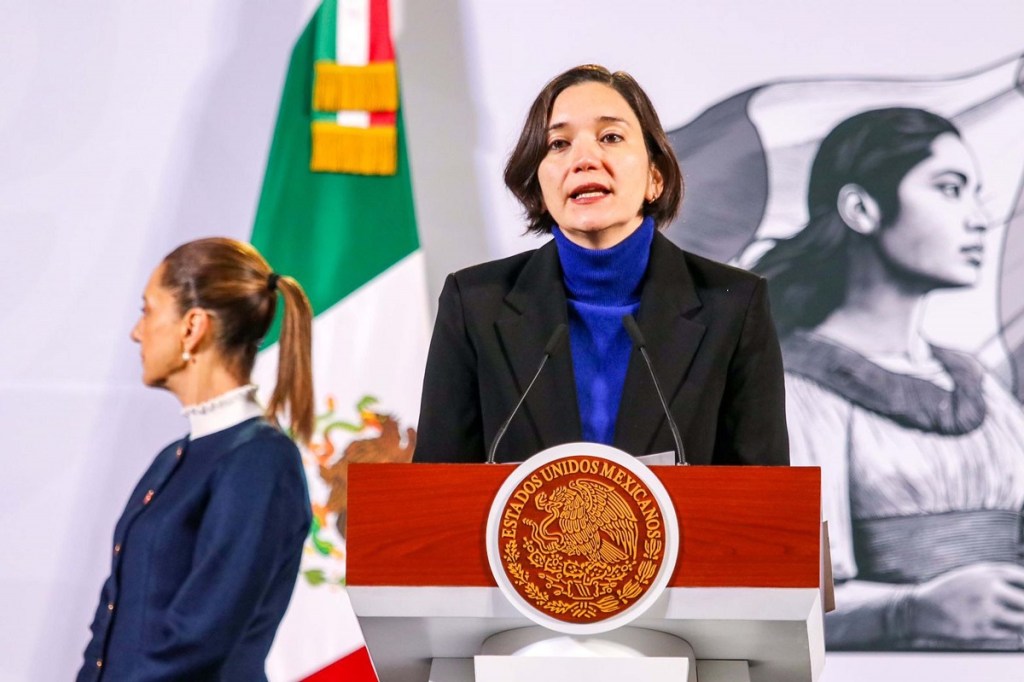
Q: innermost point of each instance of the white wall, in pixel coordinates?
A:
(126, 128)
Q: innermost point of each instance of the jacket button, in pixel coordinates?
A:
(117, 548)
(179, 451)
(99, 662)
(110, 606)
(148, 497)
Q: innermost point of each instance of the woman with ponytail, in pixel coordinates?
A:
(205, 555)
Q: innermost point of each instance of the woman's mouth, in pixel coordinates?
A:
(588, 193)
(974, 253)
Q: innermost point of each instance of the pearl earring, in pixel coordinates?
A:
(186, 356)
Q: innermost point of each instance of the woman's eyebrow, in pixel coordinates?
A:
(607, 118)
(962, 177)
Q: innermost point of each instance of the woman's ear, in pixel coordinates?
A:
(858, 209)
(196, 329)
(655, 184)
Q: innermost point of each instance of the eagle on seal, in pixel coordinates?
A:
(593, 521)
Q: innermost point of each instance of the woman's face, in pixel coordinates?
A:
(160, 333)
(938, 235)
(596, 174)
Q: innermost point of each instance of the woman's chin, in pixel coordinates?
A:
(598, 234)
(154, 381)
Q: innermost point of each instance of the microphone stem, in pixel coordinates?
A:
(504, 427)
(549, 350)
(680, 457)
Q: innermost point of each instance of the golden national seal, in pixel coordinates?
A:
(581, 539)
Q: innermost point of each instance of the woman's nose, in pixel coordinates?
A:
(977, 217)
(586, 155)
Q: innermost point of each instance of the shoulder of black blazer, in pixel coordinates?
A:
(521, 299)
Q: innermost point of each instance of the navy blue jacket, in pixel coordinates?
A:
(204, 561)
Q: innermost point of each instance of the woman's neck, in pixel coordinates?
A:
(222, 412)
(606, 276)
(203, 381)
(881, 314)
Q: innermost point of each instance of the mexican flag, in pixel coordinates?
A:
(336, 213)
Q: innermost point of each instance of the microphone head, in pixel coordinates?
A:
(634, 331)
(556, 339)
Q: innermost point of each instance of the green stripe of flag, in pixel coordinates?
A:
(332, 232)
(325, 44)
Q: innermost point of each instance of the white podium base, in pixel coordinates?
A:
(778, 630)
(541, 655)
(462, 670)
(561, 668)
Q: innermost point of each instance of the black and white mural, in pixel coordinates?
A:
(886, 216)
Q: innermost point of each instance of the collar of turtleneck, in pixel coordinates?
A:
(226, 410)
(606, 276)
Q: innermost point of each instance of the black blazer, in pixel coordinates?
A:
(709, 333)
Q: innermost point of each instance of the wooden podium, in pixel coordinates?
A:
(745, 592)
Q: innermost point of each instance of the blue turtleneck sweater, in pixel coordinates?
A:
(602, 285)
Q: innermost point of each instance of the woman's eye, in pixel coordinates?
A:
(950, 190)
(611, 137)
(555, 145)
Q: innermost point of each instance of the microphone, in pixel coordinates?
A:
(549, 350)
(641, 345)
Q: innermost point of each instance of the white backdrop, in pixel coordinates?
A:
(130, 126)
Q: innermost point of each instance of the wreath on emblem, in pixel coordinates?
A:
(582, 587)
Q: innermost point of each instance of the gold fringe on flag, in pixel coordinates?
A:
(338, 87)
(363, 151)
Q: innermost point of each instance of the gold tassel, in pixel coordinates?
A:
(363, 151)
(338, 87)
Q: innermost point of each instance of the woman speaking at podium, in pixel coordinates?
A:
(205, 555)
(594, 168)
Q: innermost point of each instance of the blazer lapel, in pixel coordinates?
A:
(536, 305)
(672, 342)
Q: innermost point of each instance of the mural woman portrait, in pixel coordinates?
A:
(921, 449)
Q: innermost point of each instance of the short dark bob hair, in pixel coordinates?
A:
(521, 170)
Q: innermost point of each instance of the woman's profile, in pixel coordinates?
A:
(204, 557)
(921, 449)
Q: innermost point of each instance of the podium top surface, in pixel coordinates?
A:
(424, 524)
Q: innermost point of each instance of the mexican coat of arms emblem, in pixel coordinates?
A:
(582, 537)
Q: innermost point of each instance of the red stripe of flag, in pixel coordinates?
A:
(382, 118)
(381, 49)
(356, 667)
